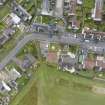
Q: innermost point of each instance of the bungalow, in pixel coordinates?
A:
(28, 61)
(20, 11)
(4, 87)
(9, 75)
(13, 74)
(48, 7)
(80, 2)
(15, 19)
(98, 63)
(70, 8)
(67, 63)
(89, 64)
(52, 57)
(97, 11)
(7, 34)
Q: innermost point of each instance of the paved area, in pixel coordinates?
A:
(70, 39)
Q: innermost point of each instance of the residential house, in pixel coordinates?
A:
(97, 11)
(70, 9)
(52, 57)
(13, 74)
(92, 34)
(98, 63)
(48, 7)
(27, 62)
(15, 19)
(4, 88)
(67, 62)
(9, 75)
(20, 12)
(7, 34)
(89, 64)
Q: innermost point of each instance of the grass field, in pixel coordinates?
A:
(53, 87)
(4, 11)
(31, 97)
(59, 88)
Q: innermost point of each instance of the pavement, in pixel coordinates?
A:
(67, 39)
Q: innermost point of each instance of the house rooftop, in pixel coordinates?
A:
(15, 18)
(72, 7)
(89, 64)
(52, 57)
(99, 62)
(14, 74)
(4, 87)
(97, 12)
(20, 11)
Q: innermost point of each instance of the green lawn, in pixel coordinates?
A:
(88, 4)
(28, 48)
(2, 26)
(4, 11)
(10, 44)
(73, 48)
(53, 87)
(31, 97)
(59, 88)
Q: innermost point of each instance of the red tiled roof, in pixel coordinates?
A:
(89, 64)
(52, 57)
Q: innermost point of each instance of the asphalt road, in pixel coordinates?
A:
(70, 39)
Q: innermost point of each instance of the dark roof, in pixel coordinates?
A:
(66, 61)
(20, 11)
(89, 64)
(6, 35)
(28, 61)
